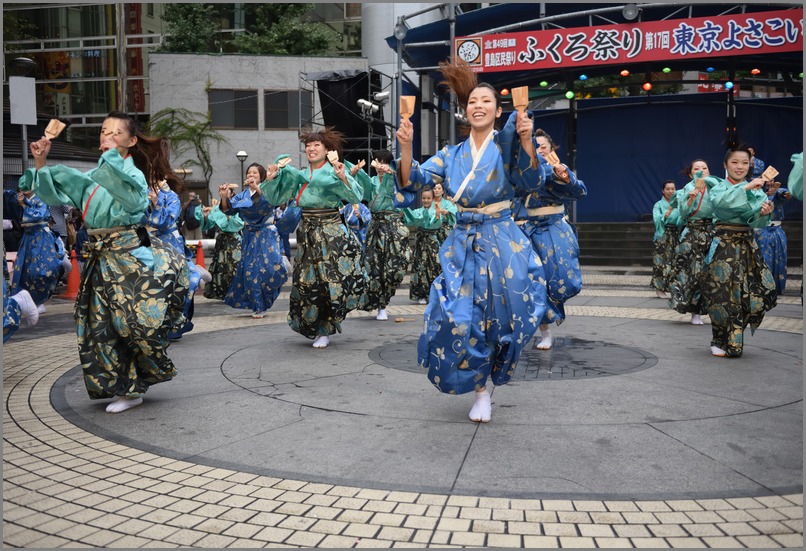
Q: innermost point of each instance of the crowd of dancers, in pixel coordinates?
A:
(494, 257)
(719, 248)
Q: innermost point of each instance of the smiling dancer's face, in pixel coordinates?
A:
(427, 198)
(482, 109)
(315, 152)
(738, 166)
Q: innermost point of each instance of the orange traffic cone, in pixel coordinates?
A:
(200, 255)
(72, 280)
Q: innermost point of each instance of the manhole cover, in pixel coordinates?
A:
(569, 358)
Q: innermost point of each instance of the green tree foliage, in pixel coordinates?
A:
(16, 27)
(270, 29)
(188, 131)
(192, 28)
(279, 28)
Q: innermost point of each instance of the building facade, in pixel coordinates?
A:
(257, 103)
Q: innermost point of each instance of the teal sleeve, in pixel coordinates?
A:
(795, 181)
(735, 204)
(229, 224)
(284, 186)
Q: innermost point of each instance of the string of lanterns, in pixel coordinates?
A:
(647, 86)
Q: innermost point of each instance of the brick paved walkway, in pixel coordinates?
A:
(66, 487)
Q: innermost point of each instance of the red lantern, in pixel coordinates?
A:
(755, 71)
(647, 86)
(505, 92)
(625, 73)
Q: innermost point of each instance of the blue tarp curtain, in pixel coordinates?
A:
(626, 147)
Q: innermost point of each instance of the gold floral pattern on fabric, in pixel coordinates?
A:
(129, 298)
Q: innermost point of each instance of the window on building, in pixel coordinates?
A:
(352, 10)
(286, 109)
(233, 109)
(150, 9)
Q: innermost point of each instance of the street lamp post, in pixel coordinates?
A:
(242, 155)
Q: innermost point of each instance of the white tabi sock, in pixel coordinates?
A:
(381, 315)
(321, 342)
(27, 306)
(481, 412)
(123, 403)
(546, 340)
(695, 319)
(716, 351)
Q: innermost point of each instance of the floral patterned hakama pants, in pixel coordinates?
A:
(130, 296)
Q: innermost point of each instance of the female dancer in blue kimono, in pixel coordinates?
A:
(38, 266)
(162, 214)
(227, 252)
(541, 216)
(486, 305)
(667, 221)
(329, 278)
(357, 217)
(738, 287)
(133, 286)
(15, 307)
(261, 271)
(694, 207)
(771, 239)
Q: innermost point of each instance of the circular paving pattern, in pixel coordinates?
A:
(569, 359)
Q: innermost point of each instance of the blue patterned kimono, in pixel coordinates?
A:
(771, 239)
(38, 267)
(261, 272)
(163, 217)
(554, 241)
(12, 313)
(486, 305)
(358, 222)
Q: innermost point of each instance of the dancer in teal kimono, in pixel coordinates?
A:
(133, 286)
(667, 221)
(771, 239)
(694, 207)
(541, 216)
(227, 251)
(486, 305)
(329, 278)
(38, 267)
(388, 253)
(738, 287)
(427, 220)
(795, 180)
(446, 207)
(261, 272)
